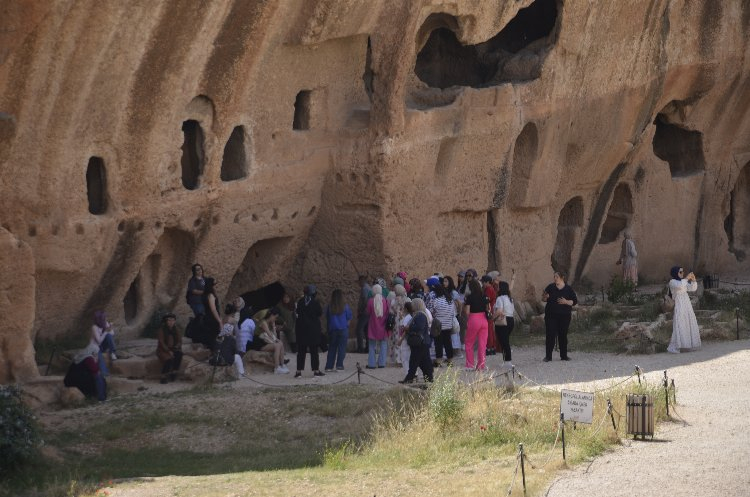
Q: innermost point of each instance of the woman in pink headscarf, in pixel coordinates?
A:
(377, 335)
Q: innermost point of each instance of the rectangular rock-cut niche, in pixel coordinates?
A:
(234, 161)
(302, 110)
(96, 185)
(193, 155)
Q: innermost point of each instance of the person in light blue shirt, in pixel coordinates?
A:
(338, 315)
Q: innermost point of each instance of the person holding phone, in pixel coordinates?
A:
(560, 299)
(685, 332)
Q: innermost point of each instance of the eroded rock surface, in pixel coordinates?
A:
(312, 141)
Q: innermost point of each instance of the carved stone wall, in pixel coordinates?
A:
(312, 141)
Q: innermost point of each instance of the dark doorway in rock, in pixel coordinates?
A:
(619, 214)
(524, 157)
(443, 61)
(96, 185)
(264, 297)
(234, 162)
(130, 302)
(736, 224)
(568, 224)
(262, 265)
(193, 156)
(302, 110)
(680, 147)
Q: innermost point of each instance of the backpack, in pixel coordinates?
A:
(414, 338)
(223, 354)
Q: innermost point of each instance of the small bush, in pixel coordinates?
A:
(619, 290)
(445, 403)
(20, 437)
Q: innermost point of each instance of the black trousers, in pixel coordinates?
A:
(420, 358)
(302, 349)
(503, 337)
(362, 321)
(444, 342)
(172, 365)
(556, 326)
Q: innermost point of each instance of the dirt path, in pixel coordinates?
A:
(706, 456)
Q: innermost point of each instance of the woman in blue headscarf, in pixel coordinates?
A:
(685, 333)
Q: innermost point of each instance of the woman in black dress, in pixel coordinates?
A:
(560, 299)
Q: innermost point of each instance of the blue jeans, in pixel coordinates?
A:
(382, 346)
(107, 345)
(337, 348)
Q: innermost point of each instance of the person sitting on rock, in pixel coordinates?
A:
(266, 340)
(103, 336)
(84, 374)
(244, 334)
(169, 348)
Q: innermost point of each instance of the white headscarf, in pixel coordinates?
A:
(377, 300)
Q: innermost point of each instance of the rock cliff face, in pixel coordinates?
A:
(312, 141)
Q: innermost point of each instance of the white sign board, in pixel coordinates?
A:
(577, 406)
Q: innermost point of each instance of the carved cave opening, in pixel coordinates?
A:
(193, 155)
(680, 147)
(302, 110)
(260, 266)
(568, 223)
(736, 223)
(153, 288)
(524, 155)
(234, 162)
(619, 215)
(511, 55)
(96, 185)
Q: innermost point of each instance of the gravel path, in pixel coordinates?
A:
(706, 456)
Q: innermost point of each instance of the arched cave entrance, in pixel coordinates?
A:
(302, 104)
(193, 156)
(619, 215)
(680, 147)
(737, 222)
(160, 281)
(443, 61)
(524, 155)
(96, 185)
(568, 223)
(234, 162)
(261, 265)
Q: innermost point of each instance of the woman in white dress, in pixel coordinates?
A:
(685, 334)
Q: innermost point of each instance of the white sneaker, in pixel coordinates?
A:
(113, 356)
(278, 370)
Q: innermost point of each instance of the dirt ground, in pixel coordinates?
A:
(705, 454)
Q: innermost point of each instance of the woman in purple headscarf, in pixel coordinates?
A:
(103, 336)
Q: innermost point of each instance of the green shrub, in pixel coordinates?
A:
(619, 290)
(445, 403)
(20, 437)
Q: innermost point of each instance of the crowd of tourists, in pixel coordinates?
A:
(411, 323)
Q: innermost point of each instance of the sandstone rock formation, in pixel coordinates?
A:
(311, 141)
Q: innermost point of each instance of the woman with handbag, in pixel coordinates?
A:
(419, 340)
(503, 316)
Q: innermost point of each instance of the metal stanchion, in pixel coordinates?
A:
(523, 471)
(666, 390)
(674, 393)
(611, 414)
(562, 427)
(737, 317)
(359, 374)
(638, 372)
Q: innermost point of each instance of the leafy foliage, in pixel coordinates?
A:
(20, 437)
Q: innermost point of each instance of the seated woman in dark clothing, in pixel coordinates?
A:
(169, 348)
(84, 374)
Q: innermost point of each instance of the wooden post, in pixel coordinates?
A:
(523, 471)
(562, 427)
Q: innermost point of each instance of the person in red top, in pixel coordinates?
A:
(491, 294)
